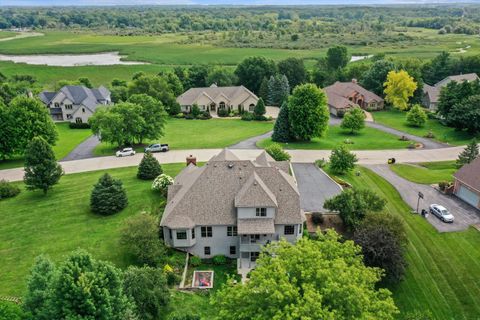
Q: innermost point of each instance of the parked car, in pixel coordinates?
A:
(441, 212)
(157, 147)
(125, 152)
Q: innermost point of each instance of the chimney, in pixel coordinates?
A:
(191, 159)
(354, 80)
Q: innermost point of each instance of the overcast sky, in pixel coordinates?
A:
(206, 2)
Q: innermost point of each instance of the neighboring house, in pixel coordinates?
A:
(467, 183)
(216, 98)
(232, 207)
(431, 94)
(75, 103)
(345, 95)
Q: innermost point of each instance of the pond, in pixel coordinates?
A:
(70, 60)
(358, 58)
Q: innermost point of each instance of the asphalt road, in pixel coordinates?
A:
(315, 186)
(464, 214)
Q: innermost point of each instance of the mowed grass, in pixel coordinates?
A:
(366, 139)
(202, 134)
(61, 221)
(6, 34)
(443, 268)
(68, 139)
(396, 120)
(426, 173)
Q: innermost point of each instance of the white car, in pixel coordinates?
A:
(125, 152)
(441, 212)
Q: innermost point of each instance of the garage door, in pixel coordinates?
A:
(468, 196)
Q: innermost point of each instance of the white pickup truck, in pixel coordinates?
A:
(125, 152)
(157, 147)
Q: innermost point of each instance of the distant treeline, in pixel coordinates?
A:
(279, 20)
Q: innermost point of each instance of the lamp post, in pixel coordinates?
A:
(420, 196)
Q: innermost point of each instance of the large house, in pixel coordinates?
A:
(216, 98)
(232, 207)
(467, 183)
(431, 94)
(343, 96)
(75, 103)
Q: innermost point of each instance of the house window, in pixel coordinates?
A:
(68, 106)
(254, 256)
(233, 250)
(78, 120)
(57, 105)
(221, 105)
(261, 212)
(69, 116)
(232, 231)
(300, 228)
(206, 232)
(290, 229)
(206, 250)
(83, 110)
(181, 235)
(193, 233)
(170, 233)
(254, 238)
(251, 107)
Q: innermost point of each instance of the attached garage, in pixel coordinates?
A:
(467, 183)
(468, 196)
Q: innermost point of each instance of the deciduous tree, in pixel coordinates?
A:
(376, 76)
(337, 57)
(294, 70)
(252, 70)
(416, 117)
(308, 112)
(298, 281)
(41, 168)
(399, 88)
(153, 114)
(147, 287)
(342, 160)
(383, 240)
(353, 120)
(353, 204)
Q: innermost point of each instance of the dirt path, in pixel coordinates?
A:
(22, 35)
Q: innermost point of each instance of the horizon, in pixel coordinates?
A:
(107, 3)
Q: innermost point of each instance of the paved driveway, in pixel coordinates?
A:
(315, 186)
(84, 150)
(464, 214)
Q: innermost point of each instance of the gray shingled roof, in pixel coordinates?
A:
(255, 193)
(469, 174)
(80, 95)
(256, 226)
(206, 195)
(457, 78)
(229, 93)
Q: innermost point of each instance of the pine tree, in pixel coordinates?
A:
(149, 168)
(281, 130)
(470, 153)
(108, 196)
(278, 90)
(263, 91)
(259, 108)
(41, 169)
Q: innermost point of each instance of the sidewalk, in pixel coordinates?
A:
(300, 156)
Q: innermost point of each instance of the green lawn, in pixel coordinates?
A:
(443, 268)
(396, 120)
(68, 139)
(61, 221)
(366, 139)
(426, 173)
(6, 34)
(202, 134)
